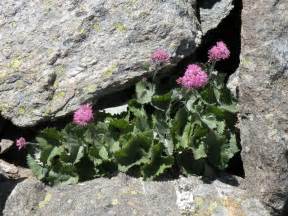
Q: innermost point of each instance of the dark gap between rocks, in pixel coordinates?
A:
(229, 31)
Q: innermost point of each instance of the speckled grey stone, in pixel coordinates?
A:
(123, 195)
(212, 12)
(58, 54)
(263, 91)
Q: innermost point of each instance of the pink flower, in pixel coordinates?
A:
(21, 143)
(193, 78)
(160, 56)
(83, 115)
(218, 52)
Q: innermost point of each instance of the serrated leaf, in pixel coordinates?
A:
(134, 150)
(103, 153)
(158, 163)
(199, 151)
(39, 171)
(56, 151)
(144, 92)
(163, 133)
(161, 102)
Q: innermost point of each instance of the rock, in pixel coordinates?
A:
(123, 195)
(5, 144)
(263, 91)
(56, 55)
(116, 110)
(10, 171)
(233, 83)
(212, 12)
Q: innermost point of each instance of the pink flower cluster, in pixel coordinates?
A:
(21, 143)
(218, 52)
(83, 115)
(193, 78)
(160, 56)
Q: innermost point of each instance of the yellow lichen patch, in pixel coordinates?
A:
(96, 26)
(120, 27)
(47, 112)
(90, 88)
(13, 24)
(115, 202)
(234, 208)
(21, 110)
(3, 74)
(3, 108)
(199, 201)
(109, 71)
(60, 94)
(212, 207)
(59, 69)
(47, 198)
(130, 191)
(245, 61)
(82, 31)
(15, 63)
(99, 196)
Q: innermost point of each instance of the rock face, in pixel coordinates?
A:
(263, 80)
(123, 195)
(57, 54)
(212, 12)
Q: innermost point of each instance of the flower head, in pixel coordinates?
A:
(193, 78)
(21, 143)
(218, 52)
(160, 56)
(83, 115)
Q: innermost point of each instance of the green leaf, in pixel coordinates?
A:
(163, 133)
(134, 150)
(144, 92)
(161, 102)
(56, 151)
(103, 153)
(39, 171)
(158, 162)
(229, 108)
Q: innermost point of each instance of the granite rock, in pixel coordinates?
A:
(58, 54)
(123, 195)
(263, 91)
(212, 12)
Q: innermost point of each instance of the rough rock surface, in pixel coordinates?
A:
(5, 144)
(57, 54)
(123, 195)
(263, 80)
(212, 12)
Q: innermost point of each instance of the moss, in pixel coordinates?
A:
(120, 27)
(46, 200)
